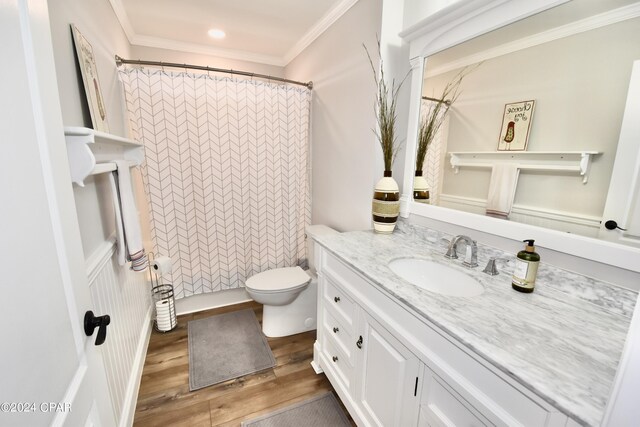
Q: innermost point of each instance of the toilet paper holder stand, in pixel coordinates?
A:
(165, 319)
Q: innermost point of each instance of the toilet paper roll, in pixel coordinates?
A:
(162, 265)
(165, 315)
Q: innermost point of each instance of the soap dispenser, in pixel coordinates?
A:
(524, 275)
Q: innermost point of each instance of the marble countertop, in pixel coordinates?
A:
(563, 341)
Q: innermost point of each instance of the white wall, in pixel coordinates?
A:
(98, 23)
(395, 54)
(167, 55)
(344, 163)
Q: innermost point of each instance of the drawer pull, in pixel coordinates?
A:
(335, 330)
(359, 342)
(335, 358)
(336, 299)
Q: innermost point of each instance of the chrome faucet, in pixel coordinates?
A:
(491, 268)
(471, 257)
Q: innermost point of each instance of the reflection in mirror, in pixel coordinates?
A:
(576, 65)
(433, 114)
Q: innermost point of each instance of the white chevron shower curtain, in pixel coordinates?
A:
(226, 173)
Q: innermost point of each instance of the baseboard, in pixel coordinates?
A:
(211, 300)
(314, 363)
(131, 397)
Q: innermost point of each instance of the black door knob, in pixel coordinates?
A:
(91, 322)
(612, 225)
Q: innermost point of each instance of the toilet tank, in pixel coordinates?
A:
(312, 231)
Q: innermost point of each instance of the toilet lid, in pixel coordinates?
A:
(278, 279)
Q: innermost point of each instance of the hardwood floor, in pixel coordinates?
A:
(164, 398)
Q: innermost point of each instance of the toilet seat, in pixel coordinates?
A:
(278, 280)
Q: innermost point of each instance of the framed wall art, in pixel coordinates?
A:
(89, 71)
(516, 124)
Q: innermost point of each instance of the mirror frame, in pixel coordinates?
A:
(451, 26)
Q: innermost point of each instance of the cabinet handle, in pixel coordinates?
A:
(335, 358)
(336, 299)
(359, 342)
(335, 330)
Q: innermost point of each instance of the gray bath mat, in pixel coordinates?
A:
(320, 411)
(226, 346)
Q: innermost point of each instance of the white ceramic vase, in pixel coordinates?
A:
(420, 188)
(386, 204)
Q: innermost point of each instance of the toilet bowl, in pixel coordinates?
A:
(289, 294)
(277, 287)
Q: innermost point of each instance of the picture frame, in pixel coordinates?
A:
(516, 125)
(89, 71)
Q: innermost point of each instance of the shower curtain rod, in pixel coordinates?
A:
(120, 61)
(445, 101)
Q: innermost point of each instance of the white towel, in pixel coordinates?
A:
(132, 234)
(120, 245)
(502, 190)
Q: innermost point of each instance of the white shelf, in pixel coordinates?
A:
(91, 152)
(572, 161)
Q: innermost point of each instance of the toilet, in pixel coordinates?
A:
(289, 294)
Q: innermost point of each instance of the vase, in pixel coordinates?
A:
(386, 204)
(420, 188)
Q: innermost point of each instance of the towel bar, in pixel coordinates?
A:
(572, 161)
(86, 147)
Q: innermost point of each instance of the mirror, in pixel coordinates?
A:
(555, 83)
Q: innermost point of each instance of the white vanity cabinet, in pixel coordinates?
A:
(387, 376)
(392, 367)
(373, 372)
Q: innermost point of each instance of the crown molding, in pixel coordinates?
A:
(123, 18)
(158, 42)
(319, 28)
(587, 24)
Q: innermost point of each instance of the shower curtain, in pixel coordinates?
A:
(226, 173)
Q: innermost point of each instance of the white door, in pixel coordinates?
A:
(623, 201)
(52, 373)
(387, 382)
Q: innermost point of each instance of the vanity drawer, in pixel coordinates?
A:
(338, 303)
(340, 335)
(336, 364)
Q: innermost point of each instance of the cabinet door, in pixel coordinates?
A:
(387, 380)
(442, 406)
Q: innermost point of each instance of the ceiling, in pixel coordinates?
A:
(267, 31)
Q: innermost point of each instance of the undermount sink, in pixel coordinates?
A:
(436, 277)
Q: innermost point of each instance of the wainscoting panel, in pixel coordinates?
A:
(125, 296)
(571, 222)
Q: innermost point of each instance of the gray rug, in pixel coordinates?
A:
(226, 346)
(320, 411)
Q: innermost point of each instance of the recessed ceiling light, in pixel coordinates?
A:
(217, 33)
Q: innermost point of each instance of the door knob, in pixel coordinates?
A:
(91, 322)
(359, 342)
(612, 225)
